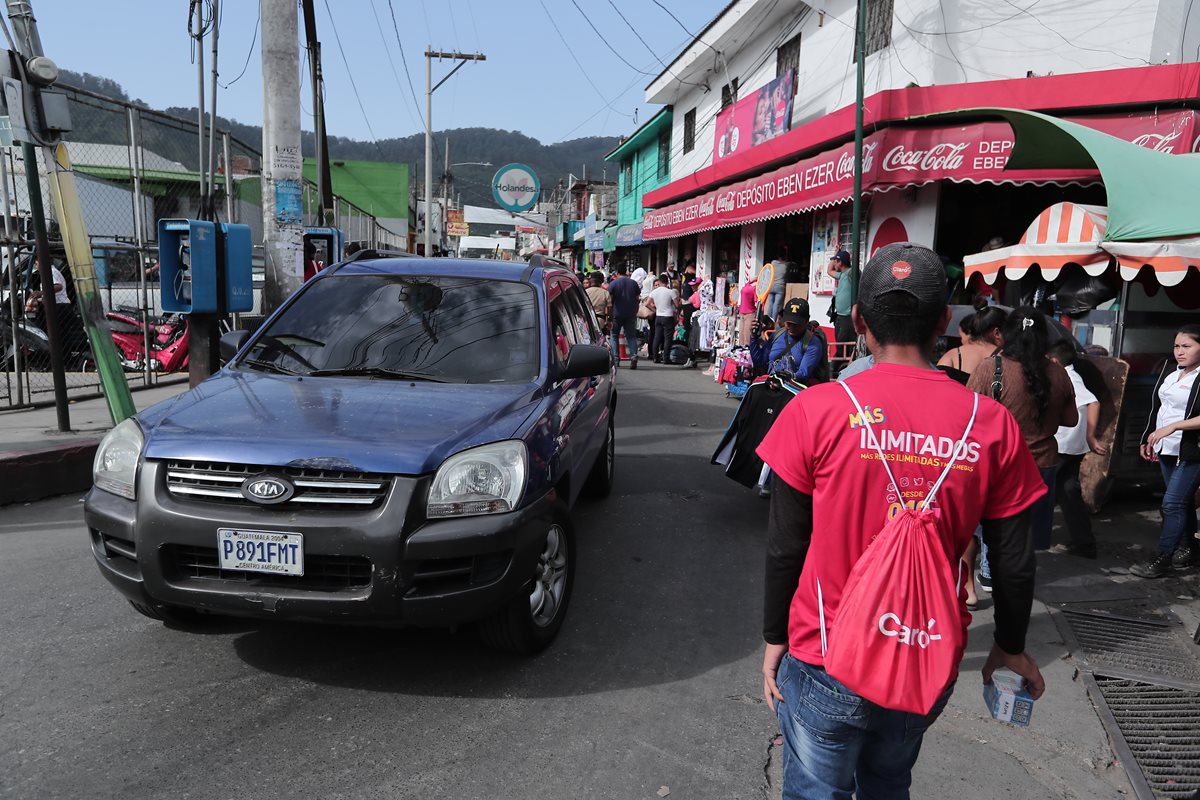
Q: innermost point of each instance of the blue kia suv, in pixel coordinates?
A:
(401, 443)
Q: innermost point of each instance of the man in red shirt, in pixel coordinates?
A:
(833, 497)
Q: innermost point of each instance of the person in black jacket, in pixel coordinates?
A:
(1172, 438)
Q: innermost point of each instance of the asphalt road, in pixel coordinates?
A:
(653, 682)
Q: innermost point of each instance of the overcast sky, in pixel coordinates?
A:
(529, 83)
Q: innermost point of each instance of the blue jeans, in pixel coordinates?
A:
(774, 301)
(1043, 510)
(1179, 503)
(985, 569)
(836, 743)
(629, 326)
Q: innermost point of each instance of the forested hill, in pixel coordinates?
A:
(552, 162)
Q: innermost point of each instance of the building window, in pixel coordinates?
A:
(627, 176)
(664, 154)
(689, 131)
(729, 94)
(788, 57)
(879, 25)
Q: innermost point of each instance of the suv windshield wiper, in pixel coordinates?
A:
(268, 366)
(379, 372)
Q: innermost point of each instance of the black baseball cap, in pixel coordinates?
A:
(842, 256)
(795, 310)
(902, 279)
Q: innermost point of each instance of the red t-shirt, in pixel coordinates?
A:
(819, 446)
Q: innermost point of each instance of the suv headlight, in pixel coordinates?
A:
(116, 464)
(484, 480)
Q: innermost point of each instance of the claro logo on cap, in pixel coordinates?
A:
(901, 270)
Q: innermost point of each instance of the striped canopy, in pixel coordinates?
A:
(1065, 233)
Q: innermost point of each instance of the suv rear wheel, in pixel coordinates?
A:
(531, 620)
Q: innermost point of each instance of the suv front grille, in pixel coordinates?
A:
(221, 483)
(321, 573)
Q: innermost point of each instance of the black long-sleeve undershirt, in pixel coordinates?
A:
(789, 533)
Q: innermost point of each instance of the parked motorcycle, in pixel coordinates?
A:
(168, 336)
(31, 343)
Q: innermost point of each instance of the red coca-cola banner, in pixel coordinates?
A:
(901, 157)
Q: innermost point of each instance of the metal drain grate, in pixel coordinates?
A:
(1161, 725)
(1143, 647)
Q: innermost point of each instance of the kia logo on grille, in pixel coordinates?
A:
(267, 489)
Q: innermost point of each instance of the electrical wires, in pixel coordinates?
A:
(582, 71)
(253, 41)
(605, 41)
(404, 61)
(350, 75)
(392, 63)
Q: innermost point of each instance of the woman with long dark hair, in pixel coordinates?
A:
(981, 338)
(1174, 443)
(1038, 393)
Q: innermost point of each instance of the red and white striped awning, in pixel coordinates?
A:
(1065, 233)
(1169, 258)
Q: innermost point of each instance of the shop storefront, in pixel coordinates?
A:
(930, 181)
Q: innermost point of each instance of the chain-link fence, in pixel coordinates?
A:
(133, 167)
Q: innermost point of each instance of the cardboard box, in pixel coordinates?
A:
(791, 290)
(1007, 699)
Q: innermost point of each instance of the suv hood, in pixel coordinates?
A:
(350, 424)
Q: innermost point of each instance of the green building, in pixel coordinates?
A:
(644, 159)
(379, 188)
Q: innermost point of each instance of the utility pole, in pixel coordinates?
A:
(204, 357)
(210, 200)
(324, 184)
(74, 234)
(430, 88)
(446, 194)
(860, 52)
(283, 229)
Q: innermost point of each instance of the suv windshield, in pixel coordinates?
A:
(463, 330)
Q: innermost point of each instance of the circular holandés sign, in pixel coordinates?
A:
(515, 187)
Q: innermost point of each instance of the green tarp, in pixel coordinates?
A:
(1151, 195)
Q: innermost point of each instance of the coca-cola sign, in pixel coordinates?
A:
(940, 157)
(896, 157)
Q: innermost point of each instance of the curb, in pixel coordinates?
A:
(46, 472)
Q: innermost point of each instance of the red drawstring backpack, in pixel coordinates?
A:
(898, 637)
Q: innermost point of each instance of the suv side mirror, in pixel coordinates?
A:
(585, 361)
(232, 342)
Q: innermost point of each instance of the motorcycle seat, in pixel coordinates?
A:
(116, 326)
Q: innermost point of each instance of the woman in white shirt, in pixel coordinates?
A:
(1175, 444)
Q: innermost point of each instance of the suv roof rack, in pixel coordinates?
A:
(372, 253)
(539, 260)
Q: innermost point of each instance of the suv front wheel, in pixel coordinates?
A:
(531, 620)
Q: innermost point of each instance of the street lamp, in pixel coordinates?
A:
(430, 88)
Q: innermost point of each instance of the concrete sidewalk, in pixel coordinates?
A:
(37, 460)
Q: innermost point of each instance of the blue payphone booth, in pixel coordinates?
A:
(204, 267)
(328, 244)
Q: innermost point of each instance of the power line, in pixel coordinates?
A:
(949, 47)
(629, 25)
(253, 41)
(662, 63)
(404, 61)
(677, 22)
(388, 53)
(605, 40)
(350, 75)
(1068, 42)
(571, 53)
